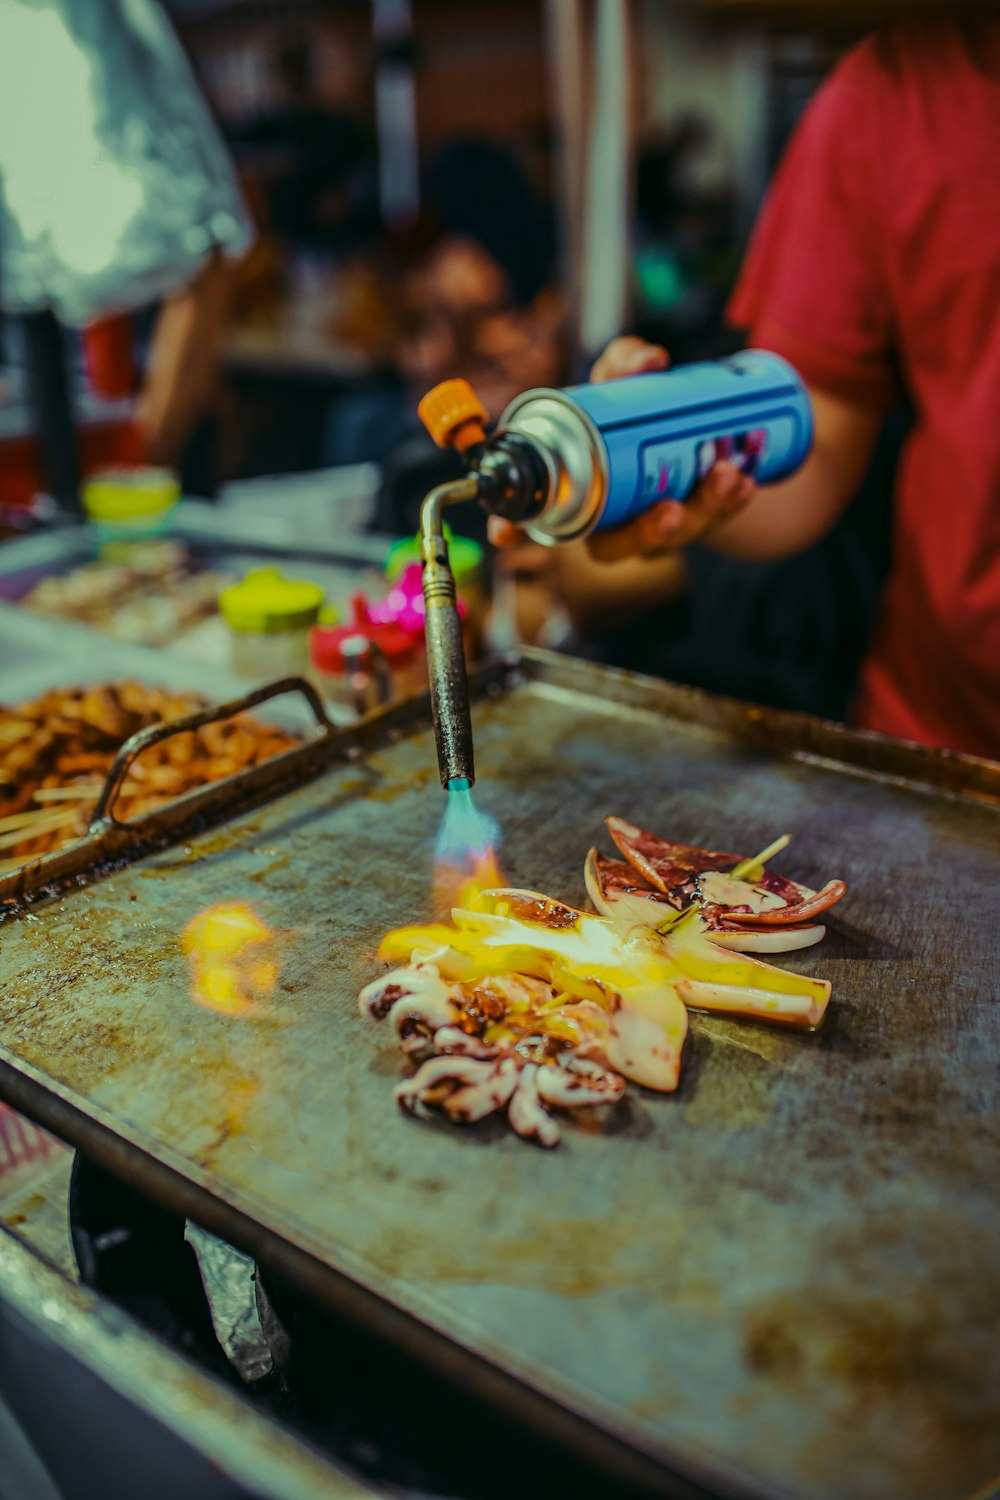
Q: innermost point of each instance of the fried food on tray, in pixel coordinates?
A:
(151, 598)
(56, 750)
(523, 1004)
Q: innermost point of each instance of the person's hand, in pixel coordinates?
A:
(628, 355)
(671, 524)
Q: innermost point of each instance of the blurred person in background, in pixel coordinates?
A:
(482, 301)
(477, 298)
(463, 314)
(875, 269)
(116, 192)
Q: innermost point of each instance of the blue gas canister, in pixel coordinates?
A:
(565, 463)
(612, 450)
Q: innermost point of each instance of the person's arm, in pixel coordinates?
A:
(593, 591)
(782, 519)
(727, 510)
(184, 361)
(812, 288)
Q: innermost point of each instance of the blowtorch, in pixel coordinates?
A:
(564, 463)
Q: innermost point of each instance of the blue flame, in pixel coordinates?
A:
(466, 833)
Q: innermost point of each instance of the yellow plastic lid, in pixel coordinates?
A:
(125, 495)
(266, 602)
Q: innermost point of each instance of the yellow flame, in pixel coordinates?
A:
(231, 970)
(458, 884)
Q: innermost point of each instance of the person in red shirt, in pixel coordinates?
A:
(875, 269)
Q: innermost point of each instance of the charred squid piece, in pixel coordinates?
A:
(379, 998)
(416, 1002)
(618, 891)
(465, 1089)
(729, 896)
(438, 1078)
(815, 903)
(732, 893)
(565, 1087)
(666, 866)
(533, 906)
(417, 1018)
(452, 1041)
(526, 1112)
(641, 1049)
(804, 1011)
(766, 939)
(476, 1100)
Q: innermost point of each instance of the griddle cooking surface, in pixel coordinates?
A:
(784, 1279)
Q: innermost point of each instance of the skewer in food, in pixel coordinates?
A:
(56, 750)
(526, 1007)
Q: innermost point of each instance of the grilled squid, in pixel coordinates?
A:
(416, 1002)
(743, 904)
(526, 1008)
(466, 1089)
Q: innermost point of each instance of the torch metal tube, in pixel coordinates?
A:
(445, 648)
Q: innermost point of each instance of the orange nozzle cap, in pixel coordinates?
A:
(454, 415)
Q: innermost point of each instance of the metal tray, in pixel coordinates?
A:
(165, 1426)
(784, 1280)
(220, 541)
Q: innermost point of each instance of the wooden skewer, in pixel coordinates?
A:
(87, 791)
(746, 865)
(42, 822)
(740, 872)
(25, 819)
(84, 792)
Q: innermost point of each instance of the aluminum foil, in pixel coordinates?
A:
(115, 185)
(252, 1338)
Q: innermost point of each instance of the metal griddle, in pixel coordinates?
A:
(784, 1280)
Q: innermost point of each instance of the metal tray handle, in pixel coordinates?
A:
(156, 733)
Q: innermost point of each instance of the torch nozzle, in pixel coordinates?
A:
(445, 649)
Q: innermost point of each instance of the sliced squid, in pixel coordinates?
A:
(620, 894)
(682, 875)
(810, 906)
(463, 1087)
(522, 1005)
(526, 1112)
(767, 939)
(805, 1010)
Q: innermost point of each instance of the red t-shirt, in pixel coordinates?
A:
(876, 264)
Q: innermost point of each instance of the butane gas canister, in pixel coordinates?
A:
(614, 449)
(566, 463)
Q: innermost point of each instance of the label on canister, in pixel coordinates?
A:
(663, 431)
